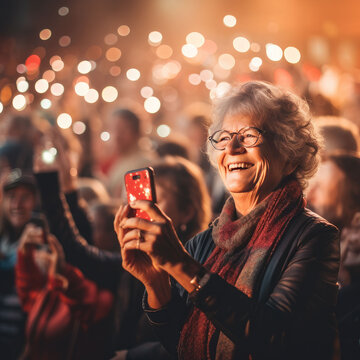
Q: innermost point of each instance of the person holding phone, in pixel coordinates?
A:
(260, 282)
(64, 308)
(18, 202)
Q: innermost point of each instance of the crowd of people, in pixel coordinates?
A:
(252, 250)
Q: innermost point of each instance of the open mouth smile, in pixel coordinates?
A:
(239, 166)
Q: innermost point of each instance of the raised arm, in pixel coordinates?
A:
(100, 266)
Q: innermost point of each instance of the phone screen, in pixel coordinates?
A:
(140, 185)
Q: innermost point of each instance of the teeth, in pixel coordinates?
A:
(241, 165)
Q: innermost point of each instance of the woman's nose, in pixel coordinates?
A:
(235, 146)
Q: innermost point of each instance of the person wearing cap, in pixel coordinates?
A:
(18, 202)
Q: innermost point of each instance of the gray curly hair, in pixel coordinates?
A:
(283, 115)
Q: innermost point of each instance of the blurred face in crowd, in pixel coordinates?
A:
(123, 135)
(326, 193)
(167, 201)
(18, 204)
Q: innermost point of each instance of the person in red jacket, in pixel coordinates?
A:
(65, 310)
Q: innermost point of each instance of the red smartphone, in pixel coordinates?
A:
(140, 185)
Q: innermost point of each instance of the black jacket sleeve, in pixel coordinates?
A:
(79, 215)
(100, 266)
(298, 314)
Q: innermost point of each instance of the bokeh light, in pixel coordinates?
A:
(229, 20)
(91, 96)
(21, 69)
(19, 102)
(189, 50)
(113, 54)
(48, 156)
(49, 75)
(32, 63)
(255, 63)
(194, 79)
(57, 65)
(5, 94)
(196, 39)
(109, 94)
(79, 127)
(155, 38)
(81, 88)
(164, 51)
(123, 30)
(65, 41)
(105, 136)
(64, 121)
(292, 55)
(274, 52)
(1, 107)
(45, 34)
(241, 44)
(45, 103)
(133, 74)
(84, 67)
(171, 69)
(57, 89)
(41, 86)
(163, 130)
(206, 75)
(226, 61)
(110, 39)
(63, 11)
(222, 89)
(146, 92)
(115, 71)
(22, 85)
(210, 84)
(152, 104)
(255, 47)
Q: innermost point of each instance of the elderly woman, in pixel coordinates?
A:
(260, 283)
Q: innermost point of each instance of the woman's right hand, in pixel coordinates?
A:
(137, 262)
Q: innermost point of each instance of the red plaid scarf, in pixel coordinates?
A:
(243, 249)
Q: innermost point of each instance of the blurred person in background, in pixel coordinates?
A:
(348, 306)
(125, 130)
(101, 216)
(339, 134)
(19, 137)
(188, 194)
(64, 308)
(334, 191)
(182, 194)
(92, 190)
(18, 203)
(197, 132)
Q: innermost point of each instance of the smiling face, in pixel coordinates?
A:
(18, 204)
(253, 171)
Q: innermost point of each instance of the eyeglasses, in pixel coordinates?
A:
(247, 137)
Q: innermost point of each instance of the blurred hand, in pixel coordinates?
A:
(57, 256)
(31, 237)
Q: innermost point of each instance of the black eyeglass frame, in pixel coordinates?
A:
(232, 134)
